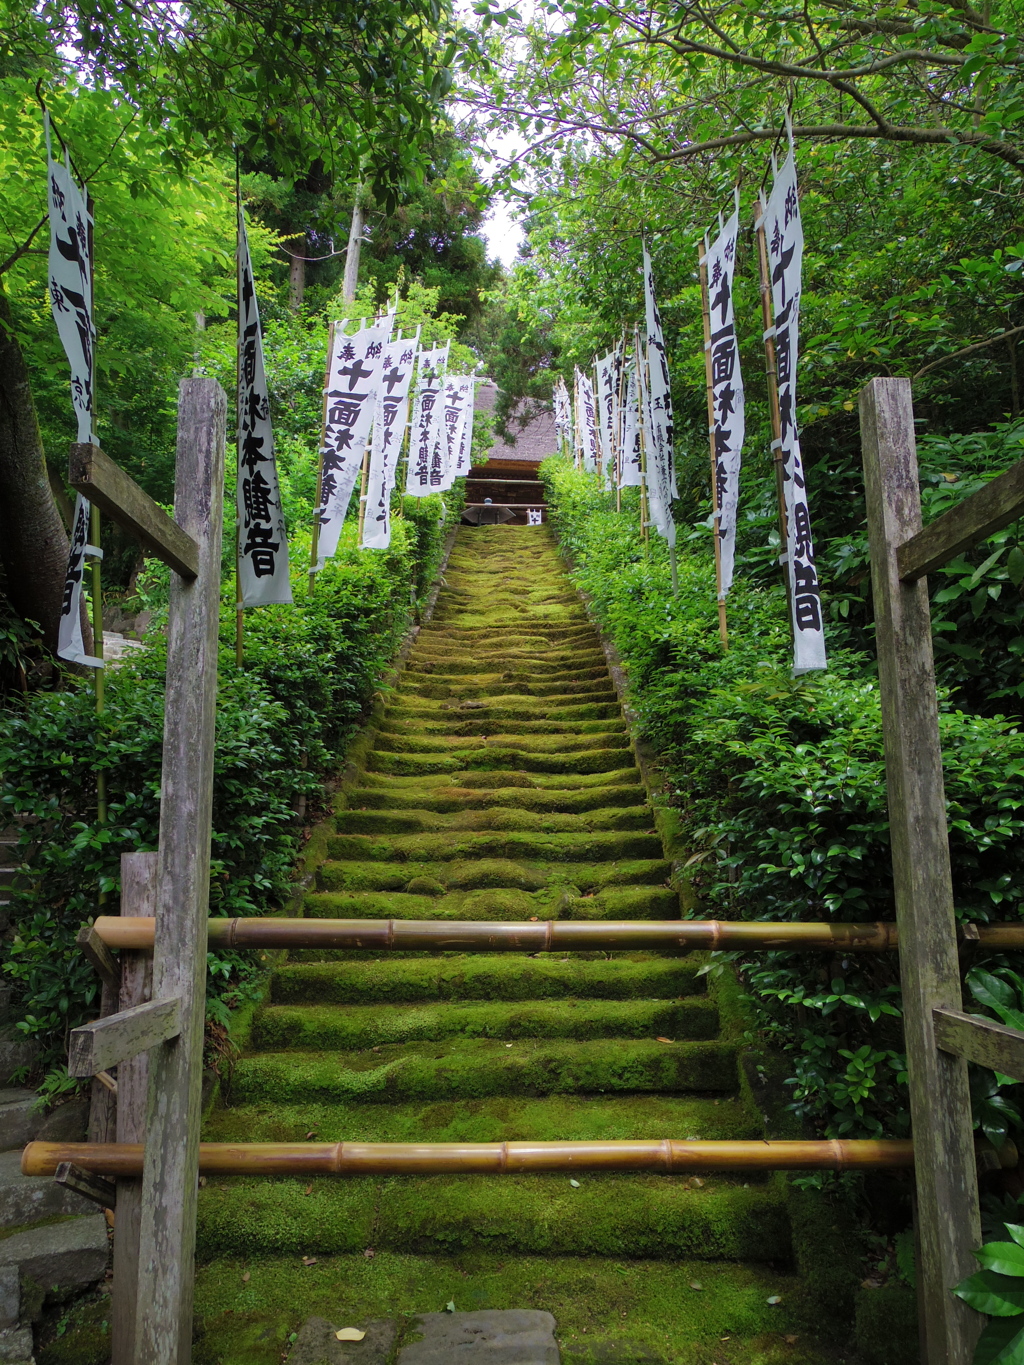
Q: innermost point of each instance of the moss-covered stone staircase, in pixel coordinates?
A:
(501, 785)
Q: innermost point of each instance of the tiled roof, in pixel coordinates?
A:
(534, 442)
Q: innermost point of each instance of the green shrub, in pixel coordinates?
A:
(780, 788)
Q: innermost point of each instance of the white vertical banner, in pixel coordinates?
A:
(659, 391)
(586, 422)
(608, 412)
(563, 414)
(388, 429)
(631, 463)
(70, 280)
(727, 391)
(785, 241)
(577, 426)
(427, 442)
(353, 384)
(459, 394)
(262, 541)
(70, 644)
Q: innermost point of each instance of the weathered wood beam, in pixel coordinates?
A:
(91, 946)
(170, 1178)
(949, 1224)
(138, 898)
(108, 487)
(967, 524)
(980, 1040)
(87, 1184)
(105, 1042)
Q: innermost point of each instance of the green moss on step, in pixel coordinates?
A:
(504, 873)
(498, 818)
(475, 1068)
(518, 845)
(886, 1329)
(362, 1026)
(505, 977)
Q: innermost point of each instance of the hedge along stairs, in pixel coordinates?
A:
(500, 785)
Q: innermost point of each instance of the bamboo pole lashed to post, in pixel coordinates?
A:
(548, 936)
(716, 510)
(495, 1158)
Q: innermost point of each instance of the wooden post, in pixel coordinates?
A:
(716, 518)
(138, 898)
(364, 476)
(169, 1189)
(940, 1103)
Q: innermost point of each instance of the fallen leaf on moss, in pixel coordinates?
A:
(246, 1277)
(349, 1334)
(775, 1298)
(695, 1284)
(309, 1189)
(309, 1260)
(369, 1253)
(575, 1184)
(664, 1040)
(450, 1306)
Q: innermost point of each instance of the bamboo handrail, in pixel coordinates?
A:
(497, 1158)
(490, 936)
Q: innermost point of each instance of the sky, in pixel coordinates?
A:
(503, 234)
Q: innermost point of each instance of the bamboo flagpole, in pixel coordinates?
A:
(314, 542)
(468, 1158)
(716, 510)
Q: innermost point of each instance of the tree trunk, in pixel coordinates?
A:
(33, 542)
(297, 275)
(355, 241)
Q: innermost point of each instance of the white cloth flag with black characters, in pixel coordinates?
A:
(563, 413)
(608, 412)
(70, 277)
(262, 540)
(727, 391)
(388, 428)
(459, 396)
(785, 239)
(428, 448)
(353, 384)
(631, 466)
(586, 420)
(70, 643)
(657, 415)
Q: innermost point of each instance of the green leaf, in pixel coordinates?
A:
(1000, 1296)
(1001, 1343)
(1007, 1258)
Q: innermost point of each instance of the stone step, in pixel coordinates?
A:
(455, 722)
(561, 663)
(32, 1199)
(305, 1027)
(567, 692)
(511, 755)
(432, 903)
(558, 747)
(429, 711)
(404, 795)
(472, 1068)
(490, 873)
(501, 779)
(485, 977)
(357, 821)
(661, 1217)
(58, 1257)
(516, 845)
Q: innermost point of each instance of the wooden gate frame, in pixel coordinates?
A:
(940, 1038)
(156, 1227)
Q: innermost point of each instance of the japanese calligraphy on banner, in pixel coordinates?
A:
(631, 459)
(785, 241)
(70, 643)
(70, 278)
(660, 450)
(459, 395)
(428, 448)
(563, 414)
(353, 382)
(608, 369)
(727, 392)
(262, 543)
(388, 428)
(586, 422)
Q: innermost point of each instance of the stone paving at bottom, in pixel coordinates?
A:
(501, 786)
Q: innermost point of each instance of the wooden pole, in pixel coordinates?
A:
(768, 318)
(314, 543)
(363, 479)
(940, 1103)
(138, 898)
(716, 510)
(167, 1238)
(467, 1158)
